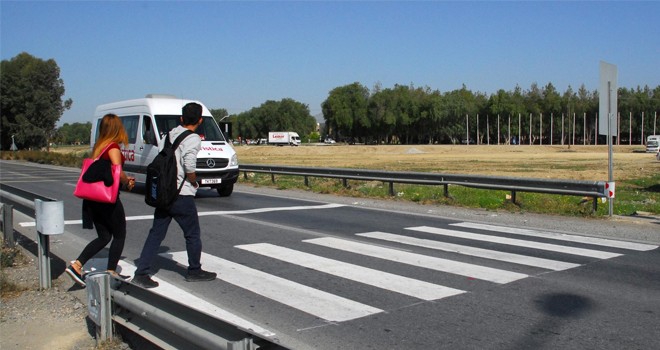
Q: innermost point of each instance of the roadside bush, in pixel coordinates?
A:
(40, 157)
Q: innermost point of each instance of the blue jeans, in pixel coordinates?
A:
(184, 212)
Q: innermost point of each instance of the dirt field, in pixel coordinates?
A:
(554, 162)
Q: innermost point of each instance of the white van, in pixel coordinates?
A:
(148, 119)
(653, 143)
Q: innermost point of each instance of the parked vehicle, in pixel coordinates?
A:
(281, 138)
(653, 143)
(329, 140)
(148, 119)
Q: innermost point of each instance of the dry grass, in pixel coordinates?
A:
(554, 162)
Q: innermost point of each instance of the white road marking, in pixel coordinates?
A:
(170, 291)
(404, 285)
(472, 251)
(516, 242)
(428, 262)
(211, 213)
(310, 300)
(560, 236)
(267, 210)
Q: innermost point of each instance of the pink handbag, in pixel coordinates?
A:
(97, 191)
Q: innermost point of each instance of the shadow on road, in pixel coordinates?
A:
(558, 309)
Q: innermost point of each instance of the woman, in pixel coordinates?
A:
(109, 218)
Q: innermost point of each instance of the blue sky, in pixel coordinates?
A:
(237, 55)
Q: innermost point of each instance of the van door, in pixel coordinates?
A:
(149, 148)
(131, 125)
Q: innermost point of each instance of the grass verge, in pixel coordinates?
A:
(632, 197)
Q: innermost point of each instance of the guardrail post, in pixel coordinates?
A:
(595, 207)
(345, 182)
(49, 218)
(8, 225)
(513, 197)
(392, 188)
(446, 190)
(99, 307)
(306, 180)
(272, 177)
(243, 344)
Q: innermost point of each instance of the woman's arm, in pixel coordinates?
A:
(115, 159)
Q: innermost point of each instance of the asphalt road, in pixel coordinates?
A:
(325, 272)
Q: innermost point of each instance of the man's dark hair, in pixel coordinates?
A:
(191, 113)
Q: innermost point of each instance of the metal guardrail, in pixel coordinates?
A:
(593, 189)
(167, 323)
(20, 199)
(163, 321)
(49, 217)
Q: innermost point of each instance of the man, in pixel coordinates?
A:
(183, 210)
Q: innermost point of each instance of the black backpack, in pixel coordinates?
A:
(161, 189)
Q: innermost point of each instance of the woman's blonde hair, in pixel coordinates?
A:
(111, 130)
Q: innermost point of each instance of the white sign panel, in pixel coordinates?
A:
(609, 188)
(607, 95)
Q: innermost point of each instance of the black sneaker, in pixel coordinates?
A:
(200, 275)
(144, 281)
(75, 276)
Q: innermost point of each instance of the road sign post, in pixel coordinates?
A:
(607, 108)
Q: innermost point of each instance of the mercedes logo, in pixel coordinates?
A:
(210, 163)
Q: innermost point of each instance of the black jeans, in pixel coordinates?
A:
(110, 222)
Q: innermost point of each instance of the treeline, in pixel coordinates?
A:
(413, 115)
(73, 134)
(410, 115)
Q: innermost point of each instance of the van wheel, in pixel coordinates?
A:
(226, 190)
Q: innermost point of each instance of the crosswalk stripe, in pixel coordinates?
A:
(438, 264)
(473, 251)
(516, 242)
(171, 291)
(560, 236)
(404, 285)
(310, 300)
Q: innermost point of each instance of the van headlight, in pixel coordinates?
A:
(234, 160)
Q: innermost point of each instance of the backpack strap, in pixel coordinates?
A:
(180, 138)
(178, 141)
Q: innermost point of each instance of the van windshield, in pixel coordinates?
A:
(208, 131)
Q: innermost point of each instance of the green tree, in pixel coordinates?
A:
(73, 134)
(345, 111)
(31, 100)
(551, 107)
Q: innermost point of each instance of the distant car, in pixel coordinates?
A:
(329, 140)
